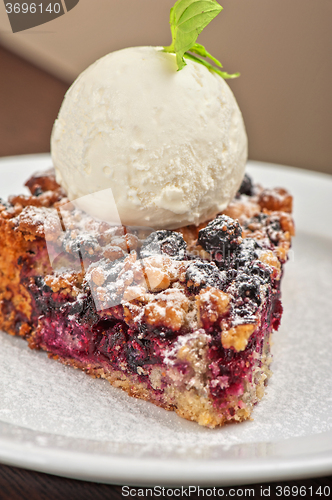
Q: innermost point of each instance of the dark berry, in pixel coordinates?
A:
(276, 313)
(86, 310)
(134, 358)
(222, 234)
(169, 243)
(245, 311)
(117, 337)
(273, 229)
(38, 191)
(259, 219)
(111, 339)
(271, 224)
(76, 307)
(203, 274)
(246, 186)
(257, 269)
(246, 252)
(138, 354)
(39, 281)
(46, 302)
(142, 330)
(248, 287)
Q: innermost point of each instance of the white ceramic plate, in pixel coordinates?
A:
(56, 419)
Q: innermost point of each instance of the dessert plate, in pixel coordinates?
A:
(57, 420)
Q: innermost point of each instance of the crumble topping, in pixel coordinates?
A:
(168, 308)
(212, 304)
(276, 199)
(32, 220)
(160, 277)
(271, 260)
(237, 336)
(67, 283)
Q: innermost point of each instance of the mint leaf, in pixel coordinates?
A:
(223, 74)
(187, 19)
(201, 51)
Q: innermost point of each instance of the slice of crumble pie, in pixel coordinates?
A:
(181, 318)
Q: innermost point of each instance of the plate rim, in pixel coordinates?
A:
(113, 469)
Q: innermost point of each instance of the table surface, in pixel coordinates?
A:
(29, 101)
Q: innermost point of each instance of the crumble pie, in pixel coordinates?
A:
(182, 318)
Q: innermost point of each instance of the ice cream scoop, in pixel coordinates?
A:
(170, 146)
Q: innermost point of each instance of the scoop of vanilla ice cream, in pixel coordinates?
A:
(167, 147)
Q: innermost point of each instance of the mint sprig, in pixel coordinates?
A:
(188, 18)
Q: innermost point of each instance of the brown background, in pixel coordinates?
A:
(281, 47)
